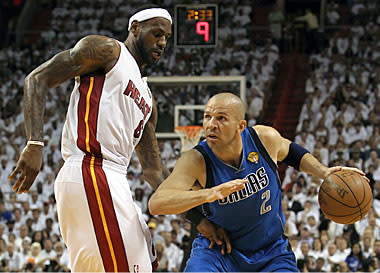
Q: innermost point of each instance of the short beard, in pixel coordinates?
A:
(144, 53)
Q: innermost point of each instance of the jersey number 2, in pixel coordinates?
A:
(265, 196)
(139, 129)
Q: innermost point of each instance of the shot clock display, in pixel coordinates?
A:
(196, 25)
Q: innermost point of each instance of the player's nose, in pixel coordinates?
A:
(211, 123)
(162, 42)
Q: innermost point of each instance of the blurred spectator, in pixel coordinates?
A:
(5, 215)
(316, 250)
(355, 259)
(303, 251)
(312, 25)
(13, 258)
(61, 260)
(173, 253)
(161, 257)
(276, 19)
(34, 256)
(22, 236)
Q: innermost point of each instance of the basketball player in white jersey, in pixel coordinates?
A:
(111, 113)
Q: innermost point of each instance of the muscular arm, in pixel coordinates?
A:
(92, 53)
(149, 154)
(88, 55)
(175, 196)
(278, 148)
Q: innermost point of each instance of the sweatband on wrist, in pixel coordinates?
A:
(149, 14)
(35, 142)
(296, 152)
(194, 215)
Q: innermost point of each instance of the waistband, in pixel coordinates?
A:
(107, 164)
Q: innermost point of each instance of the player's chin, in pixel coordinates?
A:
(212, 141)
(154, 61)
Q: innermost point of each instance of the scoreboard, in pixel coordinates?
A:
(196, 25)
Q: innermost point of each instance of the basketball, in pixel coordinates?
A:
(345, 197)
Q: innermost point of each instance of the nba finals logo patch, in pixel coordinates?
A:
(253, 157)
(136, 268)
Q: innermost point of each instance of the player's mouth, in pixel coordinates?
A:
(211, 137)
(157, 54)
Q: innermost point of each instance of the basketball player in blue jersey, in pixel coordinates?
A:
(233, 175)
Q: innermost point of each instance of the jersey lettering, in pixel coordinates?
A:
(256, 182)
(132, 92)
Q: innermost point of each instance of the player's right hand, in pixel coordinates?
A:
(223, 190)
(29, 165)
(215, 234)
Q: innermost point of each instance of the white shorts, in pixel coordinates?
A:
(100, 224)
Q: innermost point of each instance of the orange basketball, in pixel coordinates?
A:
(345, 197)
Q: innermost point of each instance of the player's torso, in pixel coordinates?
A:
(107, 113)
(253, 216)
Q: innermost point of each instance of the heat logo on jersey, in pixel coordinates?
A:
(253, 157)
(256, 182)
(134, 93)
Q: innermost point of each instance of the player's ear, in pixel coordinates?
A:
(135, 28)
(242, 125)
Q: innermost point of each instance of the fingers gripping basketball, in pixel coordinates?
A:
(345, 197)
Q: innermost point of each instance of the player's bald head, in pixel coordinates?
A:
(231, 101)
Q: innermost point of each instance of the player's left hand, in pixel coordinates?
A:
(29, 165)
(215, 234)
(341, 168)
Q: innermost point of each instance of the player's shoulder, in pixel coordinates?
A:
(100, 50)
(99, 45)
(99, 40)
(266, 132)
(194, 156)
(192, 163)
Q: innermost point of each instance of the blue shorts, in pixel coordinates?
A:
(276, 258)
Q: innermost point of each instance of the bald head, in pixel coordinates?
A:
(231, 101)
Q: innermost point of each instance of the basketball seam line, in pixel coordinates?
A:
(353, 219)
(336, 199)
(357, 201)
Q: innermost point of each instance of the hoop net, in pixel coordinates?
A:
(190, 136)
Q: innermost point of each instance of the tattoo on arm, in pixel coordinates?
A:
(88, 55)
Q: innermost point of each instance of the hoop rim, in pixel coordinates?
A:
(191, 131)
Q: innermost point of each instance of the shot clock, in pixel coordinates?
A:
(196, 25)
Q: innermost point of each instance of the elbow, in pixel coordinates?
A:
(153, 206)
(34, 80)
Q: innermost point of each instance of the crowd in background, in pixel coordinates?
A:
(339, 124)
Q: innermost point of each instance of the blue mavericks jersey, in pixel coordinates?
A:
(253, 216)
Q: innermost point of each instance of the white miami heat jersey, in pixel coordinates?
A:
(107, 113)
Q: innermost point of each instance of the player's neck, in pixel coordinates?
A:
(230, 154)
(133, 49)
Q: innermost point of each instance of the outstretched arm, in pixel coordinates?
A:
(175, 196)
(90, 54)
(149, 154)
(279, 149)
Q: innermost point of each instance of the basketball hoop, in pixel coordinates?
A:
(189, 135)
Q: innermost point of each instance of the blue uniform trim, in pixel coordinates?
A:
(264, 153)
(209, 177)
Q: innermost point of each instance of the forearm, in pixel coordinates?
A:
(154, 176)
(150, 158)
(34, 107)
(311, 165)
(172, 201)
